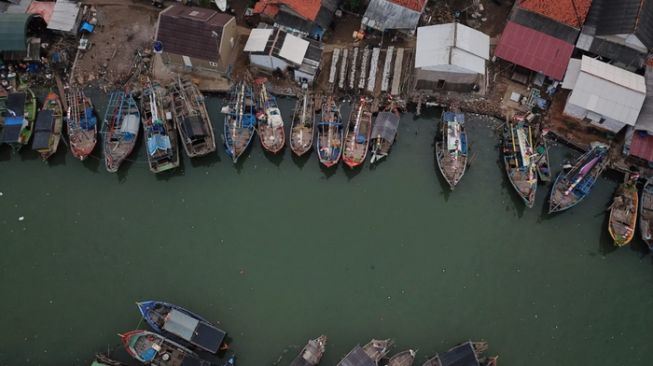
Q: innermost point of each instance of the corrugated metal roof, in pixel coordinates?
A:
(610, 98)
(571, 76)
(13, 28)
(294, 49)
(545, 25)
(534, 50)
(257, 40)
(64, 16)
(452, 44)
(641, 145)
(624, 17)
(384, 14)
(645, 119)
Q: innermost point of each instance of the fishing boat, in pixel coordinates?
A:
(467, 354)
(122, 121)
(623, 211)
(192, 119)
(573, 186)
(81, 124)
(357, 137)
(329, 133)
(19, 119)
(47, 130)
(405, 358)
(159, 129)
(451, 147)
(646, 214)
(239, 120)
(303, 124)
(104, 360)
(368, 355)
(519, 160)
(164, 317)
(377, 349)
(269, 122)
(542, 159)
(312, 353)
(384, 132)
(151, 348)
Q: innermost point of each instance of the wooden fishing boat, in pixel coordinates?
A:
(19, 119)
(467, 354)
(269, 122)
(357, 137)
(451, 147)
(159, 129)
(239, 120)
(329, 133)
(368, 355)
(646, 214)
(623, 211)
(405, 358)
(151, 348)
(542, 159)
(164, 318)
(384, 132)
(47, 130)
(81, 124)
(303, 125)
(122, 121)
(573, 186)
(377, 349)
(192, 119)
(312, 353)
(518, 160)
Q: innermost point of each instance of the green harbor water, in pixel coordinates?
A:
(277, 250)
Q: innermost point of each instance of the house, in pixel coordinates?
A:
(603, 95)
(17, 40)
(305, 17)
(273, 48)
(400, 15)
(450, 56)
(66, 17)
(639, 138)
(621, 31)
(196, 38)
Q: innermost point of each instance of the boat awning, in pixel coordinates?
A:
(642, 145)
(193, 127)
(357, 357)
(208, 337)
(193, 330)
(41, 140)
(10, 133)
(44, 121)
(385, 126)
(16, 103)
(462, 355)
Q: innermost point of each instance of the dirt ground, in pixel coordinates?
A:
(123, 27)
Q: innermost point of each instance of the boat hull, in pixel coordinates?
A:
(52, 103)
(452, 162)
(81, 125)
(646, 214)
(520, 170)
(623, 214)
(357, 137)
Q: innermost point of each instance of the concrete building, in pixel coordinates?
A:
(196, 38)
(450, 56)
(603, 95)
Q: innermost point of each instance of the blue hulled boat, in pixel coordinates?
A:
(239, 120)
(168, 318)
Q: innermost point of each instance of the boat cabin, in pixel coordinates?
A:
(194, 331)
(461, 355)
(43, 130)
(194, 128)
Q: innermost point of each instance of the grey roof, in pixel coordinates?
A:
(385, 15)
(385, 126)
(623, 17)
(13, 29)
(290, 20)
(617, 52)
(461, 355)
(64, 16)
(545, 25)
(357, 357)
(645, 119)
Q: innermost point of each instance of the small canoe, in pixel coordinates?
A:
(623, 211)
(451, 147)
(646, 214)
(159, 129)
(571, 187)
(269, 122)
(81, 124)
(122, 122)
(151, 348)
(192, 119)
(384, 132)
(303, 125)
(47, 130)
(329, 133)
(19, 119)
(164, 317)
(518, 160)
(312, 353)
(405, 358)
(239, 120)
(357, 137)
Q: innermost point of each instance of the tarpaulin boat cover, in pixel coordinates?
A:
(462, 355)
(16, 103)
(192, 330)
(88, 120)
(130, 124)
(14, 121)
(385, 126)
(41, 140)
(11, 133)
(44, 121)
(357, 357)
(158, 142)
(194, 127)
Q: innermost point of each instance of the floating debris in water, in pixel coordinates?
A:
(21, 218)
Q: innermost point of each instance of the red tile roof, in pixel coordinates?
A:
(306, 8)
(570, 12)
(416, 5)
(642, 146)
(534, 50)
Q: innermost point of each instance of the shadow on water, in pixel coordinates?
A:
(26, 153)
(205, 161)
(517, 202)
(275, 159)
(352, 172)
(328, 171)
(5, 152)
(300, 161)
(59, 158)
(172, 173)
